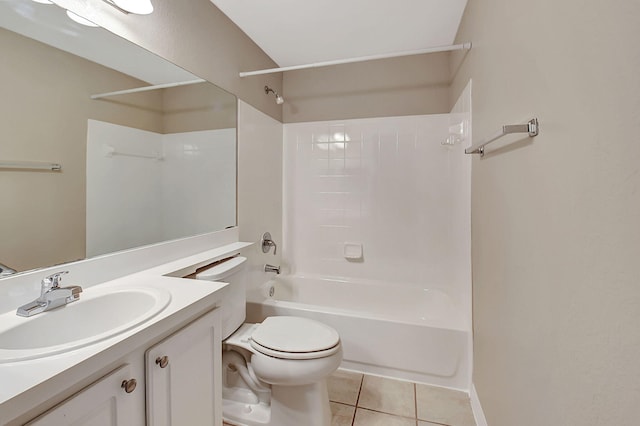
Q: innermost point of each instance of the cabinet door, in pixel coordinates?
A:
(184, 376)
(104, 403)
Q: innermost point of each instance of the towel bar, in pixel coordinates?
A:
(531, 128)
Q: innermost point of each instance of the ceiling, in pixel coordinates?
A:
(296, 32)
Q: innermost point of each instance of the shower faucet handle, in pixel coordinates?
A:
(267, 243)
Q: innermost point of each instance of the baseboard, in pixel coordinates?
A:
(478, 414)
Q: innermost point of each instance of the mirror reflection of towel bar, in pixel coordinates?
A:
(110, 151)
(32, 165)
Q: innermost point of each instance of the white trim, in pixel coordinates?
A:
(478, 414)
(461, 46)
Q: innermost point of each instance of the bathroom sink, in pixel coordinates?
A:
(98, 315)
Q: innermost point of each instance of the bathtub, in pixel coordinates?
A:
(396, 330)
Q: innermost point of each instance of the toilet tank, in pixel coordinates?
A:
(233, 304)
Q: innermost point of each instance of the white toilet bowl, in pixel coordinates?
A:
(279, 379)
(274, 373)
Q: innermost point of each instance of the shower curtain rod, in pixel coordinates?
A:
(147, 88)
(463, 46)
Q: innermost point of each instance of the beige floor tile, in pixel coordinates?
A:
(444, 406)
(344, 387)
(423, 423)
(373, 418)
(342, 415)
(387, 395)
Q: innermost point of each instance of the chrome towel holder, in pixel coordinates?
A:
(30, 165)
(531, 128)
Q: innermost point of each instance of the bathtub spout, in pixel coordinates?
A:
(271, 268)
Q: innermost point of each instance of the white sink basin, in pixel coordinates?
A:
(98, 315)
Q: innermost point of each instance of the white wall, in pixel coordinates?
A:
(198, 182)
(460, 129)
(385, 183)
(112, 199)
(167, 197)
(259, 186)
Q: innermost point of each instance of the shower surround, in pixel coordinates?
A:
(387, 184)
(376, 210)
(172, 205)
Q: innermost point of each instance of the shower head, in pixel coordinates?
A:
(279, 98)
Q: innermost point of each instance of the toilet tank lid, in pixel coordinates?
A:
(222, 270)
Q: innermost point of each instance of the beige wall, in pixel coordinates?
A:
(197, 36)
(556, 234)
(409, 85)
(197, 107)
(43, 116)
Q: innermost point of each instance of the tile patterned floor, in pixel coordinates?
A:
(362, 400)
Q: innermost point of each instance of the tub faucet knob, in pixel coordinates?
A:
(267, 243)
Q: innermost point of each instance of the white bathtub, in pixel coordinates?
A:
(389, 329)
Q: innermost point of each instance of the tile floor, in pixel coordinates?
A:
(362, 400)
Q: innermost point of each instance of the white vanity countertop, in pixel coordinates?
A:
(22, 380)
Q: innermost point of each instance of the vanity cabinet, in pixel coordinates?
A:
(106, 402)
(179, 383)
(184, 385)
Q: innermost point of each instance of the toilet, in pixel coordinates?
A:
(274, 373)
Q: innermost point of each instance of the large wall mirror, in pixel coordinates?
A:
(136, 168)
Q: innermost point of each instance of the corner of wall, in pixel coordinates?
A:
(199, 38)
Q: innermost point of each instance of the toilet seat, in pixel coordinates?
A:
(295, 355)
(294, 334)
(287, 337)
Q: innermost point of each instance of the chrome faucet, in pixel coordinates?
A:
(267, 243)
(51, 296)
(271, 268)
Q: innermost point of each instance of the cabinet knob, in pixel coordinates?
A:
(129, 385)
(162, 361)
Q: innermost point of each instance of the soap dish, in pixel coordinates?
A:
(353, 251)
